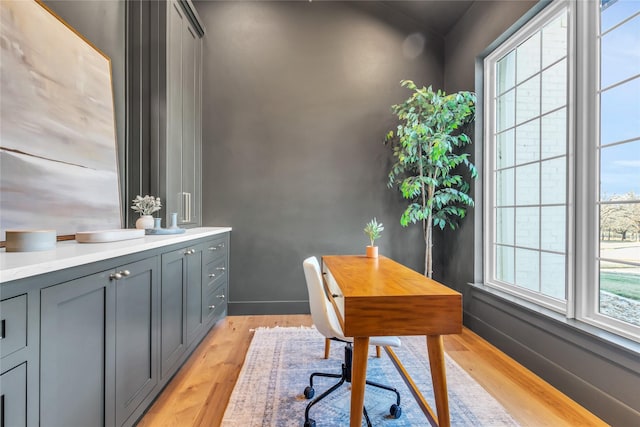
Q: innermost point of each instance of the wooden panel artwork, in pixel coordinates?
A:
(58, 155)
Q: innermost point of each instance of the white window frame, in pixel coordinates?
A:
(545, 16)
(588, 130)
(582, 224)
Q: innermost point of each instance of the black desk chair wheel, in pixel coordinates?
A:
(395, 410)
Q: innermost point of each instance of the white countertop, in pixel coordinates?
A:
(18, 265)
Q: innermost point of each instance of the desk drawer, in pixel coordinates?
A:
(13, 324)
(334, 291)
(215, 273)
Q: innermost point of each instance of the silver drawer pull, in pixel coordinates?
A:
(211, 307)
(213, 248)
(221, 245)
(125, 273)
(212, 275)
(220, 268)
(190, 252)
(115, 276)
(220, 296)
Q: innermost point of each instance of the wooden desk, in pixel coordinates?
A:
(378, 297)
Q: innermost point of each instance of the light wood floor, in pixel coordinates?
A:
(198, 394)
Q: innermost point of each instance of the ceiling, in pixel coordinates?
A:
(439, 16)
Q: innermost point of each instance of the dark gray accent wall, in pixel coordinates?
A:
(598, 370)
(297, 100)
(103, 23)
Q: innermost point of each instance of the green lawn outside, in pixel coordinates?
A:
(623, 284)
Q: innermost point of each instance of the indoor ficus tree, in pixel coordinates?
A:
(427, 161)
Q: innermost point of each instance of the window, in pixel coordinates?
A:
(562, 163)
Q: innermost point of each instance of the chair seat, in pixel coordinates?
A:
(383, 341)
(391, 341)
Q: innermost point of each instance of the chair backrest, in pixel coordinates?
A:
(322, 312)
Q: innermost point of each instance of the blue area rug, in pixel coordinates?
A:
(279, 361)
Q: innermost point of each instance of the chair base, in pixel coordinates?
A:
(345, 376)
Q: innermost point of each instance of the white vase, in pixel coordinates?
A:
(144, 222)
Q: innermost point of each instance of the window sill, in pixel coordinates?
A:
(578, 332)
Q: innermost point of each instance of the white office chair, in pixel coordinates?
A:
(326, 322)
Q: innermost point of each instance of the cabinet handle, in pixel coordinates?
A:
(3, 325)
(186, 207)
(220, 296)
(212, 275)
(211, 307)
(213, 248)
(190, 252)
(115, 276)
(2, 411)
(125, 273)
(220, 268)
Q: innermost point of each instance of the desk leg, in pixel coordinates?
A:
(439, 379)
(358, 378)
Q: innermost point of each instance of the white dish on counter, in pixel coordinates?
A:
(103, 236)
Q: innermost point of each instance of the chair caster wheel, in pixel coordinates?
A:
(395, 411)
(310, 422)
(309, 392)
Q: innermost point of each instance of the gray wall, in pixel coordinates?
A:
(102, 22)
(598, 370)
(297, 100)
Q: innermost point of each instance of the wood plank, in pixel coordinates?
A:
(210, 374)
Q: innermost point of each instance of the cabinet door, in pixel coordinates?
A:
(172, 313)
(73, 338)
(13, 397)
(184, 137)
(191, 139)
(135, 335)
(175, 198)
(194, 292)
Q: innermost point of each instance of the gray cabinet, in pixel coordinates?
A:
(16, 361)
(93, 345)
(175, 100)
(98, 345)
(13, 397)
(172, 315)
(181, 304)
(136, 337)
(184, 124)
(74, 329)
(215, 280)
(13, 325)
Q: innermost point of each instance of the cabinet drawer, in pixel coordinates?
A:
(13, 324)
(13, 397)
(215, 273)
(215, 249)
(214, 303)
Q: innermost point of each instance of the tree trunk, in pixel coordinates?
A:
(428, 242)
(427, 229)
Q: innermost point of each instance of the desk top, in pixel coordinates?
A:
(378, 297)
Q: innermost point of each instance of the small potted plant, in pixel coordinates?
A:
(145, 206)
(373, 230)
